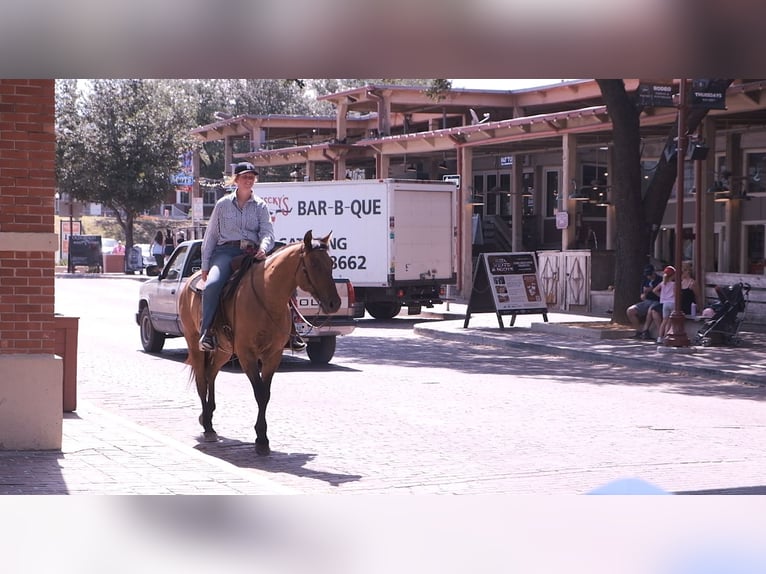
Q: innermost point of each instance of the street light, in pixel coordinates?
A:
(677, 336)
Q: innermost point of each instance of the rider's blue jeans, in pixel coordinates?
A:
(219, 273)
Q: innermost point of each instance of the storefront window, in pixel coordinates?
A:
(756, 171)
(551, 192)
(755, 249)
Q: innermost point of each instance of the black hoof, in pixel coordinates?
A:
(262, 449)
(210, 436)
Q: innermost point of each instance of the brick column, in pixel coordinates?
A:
(31, 380)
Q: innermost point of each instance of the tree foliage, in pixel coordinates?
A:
(119, 143)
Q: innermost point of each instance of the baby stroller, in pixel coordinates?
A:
(729, 313)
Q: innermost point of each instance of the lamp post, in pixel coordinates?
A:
(677, 336)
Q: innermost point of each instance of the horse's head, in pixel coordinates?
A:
(316, 277)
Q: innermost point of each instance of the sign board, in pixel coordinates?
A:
(655, 95)
(182, 179)
(710, 94)
(197, 209)
(85, 250)
(453, 178)
(508, 284)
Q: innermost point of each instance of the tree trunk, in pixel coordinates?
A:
(638, 219)
(633, 237)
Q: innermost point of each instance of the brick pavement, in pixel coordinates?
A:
(106, 454)
(103, 453)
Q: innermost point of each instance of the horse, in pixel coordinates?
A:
(254, 323)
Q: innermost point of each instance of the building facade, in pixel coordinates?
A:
(533, 165)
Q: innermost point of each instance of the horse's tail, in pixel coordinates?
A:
(208, 355)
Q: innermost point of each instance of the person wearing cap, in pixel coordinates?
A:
(667, 292)
(640, 311)
(240, 223)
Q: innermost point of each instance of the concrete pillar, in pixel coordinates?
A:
(382, 165)
(465, 272)
(611, 224)
(730, 263)
(704, 229)
(517, 204)
(569, 174)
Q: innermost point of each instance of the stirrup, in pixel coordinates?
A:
(297, 343)
(207, 342)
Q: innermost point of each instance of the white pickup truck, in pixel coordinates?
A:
(158, 318)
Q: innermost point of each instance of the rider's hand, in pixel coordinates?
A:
(204, 275)
(260, 254)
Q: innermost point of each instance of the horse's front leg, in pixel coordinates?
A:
(262, 389)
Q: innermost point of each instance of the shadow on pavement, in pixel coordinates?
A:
(518, 361)
(289, 362)
(242, 455)
(734, 490)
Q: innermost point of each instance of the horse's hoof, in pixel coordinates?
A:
(262, 449)
(210, 436)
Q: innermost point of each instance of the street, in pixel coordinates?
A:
(398, 413)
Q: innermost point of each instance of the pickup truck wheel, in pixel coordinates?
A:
(152, 341)
(321, 351)
(383, 309)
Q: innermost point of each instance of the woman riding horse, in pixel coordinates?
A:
(240, 223)
(257, 323)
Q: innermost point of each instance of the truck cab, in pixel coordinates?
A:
(158, 318)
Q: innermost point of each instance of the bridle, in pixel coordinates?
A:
(320, 247)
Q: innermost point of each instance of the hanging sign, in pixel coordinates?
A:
(655, 95)
(710, 94)
(508, 284)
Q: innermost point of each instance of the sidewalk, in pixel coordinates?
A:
(745, 363)
(106, 454)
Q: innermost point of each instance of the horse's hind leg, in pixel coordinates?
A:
(262, 389)
(204, 377)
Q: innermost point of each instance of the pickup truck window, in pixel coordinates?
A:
(195, 259)
(174, 267)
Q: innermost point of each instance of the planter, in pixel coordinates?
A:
(65, 346)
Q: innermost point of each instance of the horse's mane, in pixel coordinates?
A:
(246, 263)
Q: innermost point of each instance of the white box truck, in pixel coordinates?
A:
(395, 240)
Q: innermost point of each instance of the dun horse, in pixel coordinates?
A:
(259, 322)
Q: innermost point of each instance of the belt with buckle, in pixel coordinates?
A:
(244, 244)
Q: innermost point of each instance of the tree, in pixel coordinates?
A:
(638, 217)
(119, 144)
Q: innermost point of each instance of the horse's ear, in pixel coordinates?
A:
(325, 241)
(307, 239)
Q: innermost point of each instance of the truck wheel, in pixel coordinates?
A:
(152, 341)
(321, 351)
(384, 309)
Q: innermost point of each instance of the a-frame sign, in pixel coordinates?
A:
(508, 284)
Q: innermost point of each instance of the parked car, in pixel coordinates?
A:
(157, 316)
(146, 254)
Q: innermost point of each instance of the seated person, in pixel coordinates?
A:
(639, 312)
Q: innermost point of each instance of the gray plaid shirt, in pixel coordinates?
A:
(230, 223)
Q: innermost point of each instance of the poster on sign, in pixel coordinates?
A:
(508, 284)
